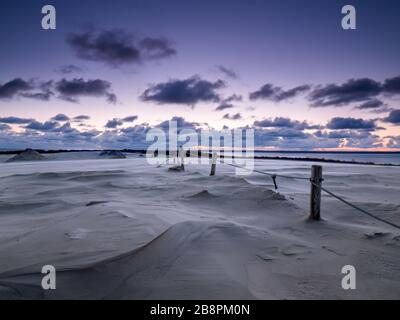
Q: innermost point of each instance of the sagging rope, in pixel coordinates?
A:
(272, 175)
(356, 207)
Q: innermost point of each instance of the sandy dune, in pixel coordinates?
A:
(122, 229)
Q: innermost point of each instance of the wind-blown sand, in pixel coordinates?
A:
(122, 229)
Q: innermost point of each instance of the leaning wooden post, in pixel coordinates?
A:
(213, 164)
(315, 196)
(182, 154)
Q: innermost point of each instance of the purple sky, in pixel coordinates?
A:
(285, 67)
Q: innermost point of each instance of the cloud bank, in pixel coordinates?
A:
(186, 92)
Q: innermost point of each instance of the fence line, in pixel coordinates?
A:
(274, 176)
(323, 189)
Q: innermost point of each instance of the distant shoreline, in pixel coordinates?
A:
(7, 152)
(302, 159)
(15, 151)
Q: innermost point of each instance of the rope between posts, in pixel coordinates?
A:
(355, 207)
(272, 175)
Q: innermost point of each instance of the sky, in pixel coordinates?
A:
(112, 70)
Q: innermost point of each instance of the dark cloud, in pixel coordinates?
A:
(65, 128)
(354, 90)
(391, 86)
(375, 106)
(116, 47)
(384, 109)
(189, 91)
(224, 106)
(60, 117)
(43, 91)
(39, 126)
(337, 134)
(362, 90)
(393, 117)
(288, 94)
(72, 90)
(140, 129)
(156, 48)
(26, 89)
(228, 72)
(233, 98)
(351, 123)
(14, 87)
(81, 118)
(371, 104)
(267, 91)
(69, 68)
(112, 47)
(137, 131)
(277, 94)
(44, 96)
(236, 116)
(130, 119)
(226, 103)
(15, 120)
(114, 123)
(281, 122)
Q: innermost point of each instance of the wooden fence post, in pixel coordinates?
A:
(315, 196)
(213, 164)
(182, 154)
